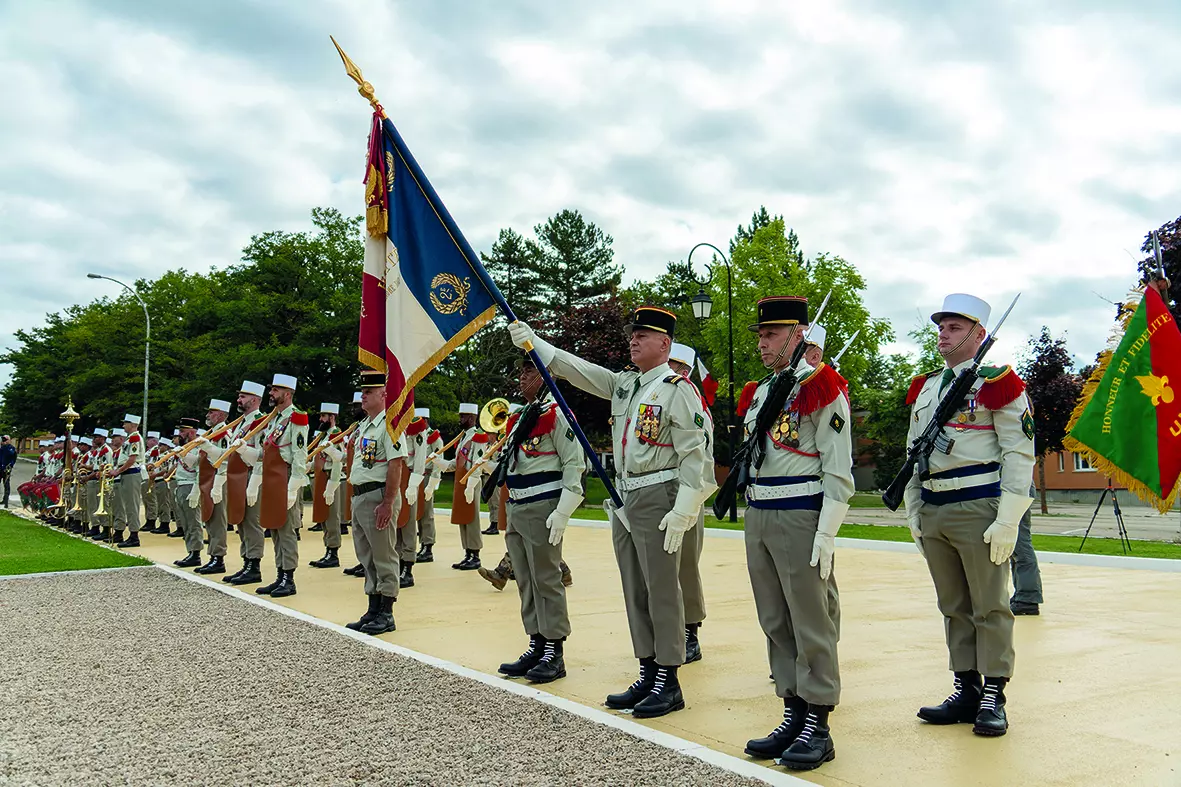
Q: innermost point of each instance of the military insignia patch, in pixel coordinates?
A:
(569, 434)
(620, 392)
(699, 420)
(299, 440)
(837, 423)
(1027, 424)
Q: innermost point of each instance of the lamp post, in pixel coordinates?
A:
(147, 339)
(702, 308)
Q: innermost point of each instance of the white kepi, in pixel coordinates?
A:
(960, 304)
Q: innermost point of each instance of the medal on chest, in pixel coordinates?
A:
(368, 452)
(786, 430)
(531, 445)
(648, 422)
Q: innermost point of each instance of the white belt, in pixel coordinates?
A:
(757, 491)
(534, 491)
(632, 483)
(964, 482)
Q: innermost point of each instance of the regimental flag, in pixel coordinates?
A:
(422, 294)
(1128, 420)
(709, 386)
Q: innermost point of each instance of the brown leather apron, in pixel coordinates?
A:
(273, 495)
(237, 477)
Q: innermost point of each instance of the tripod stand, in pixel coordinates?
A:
(1124, 542)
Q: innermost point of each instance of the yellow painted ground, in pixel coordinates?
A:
(1094, 700)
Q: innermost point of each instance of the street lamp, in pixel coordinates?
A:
(147, 339)
(702, 308)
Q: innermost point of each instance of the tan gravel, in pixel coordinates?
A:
(137, 677)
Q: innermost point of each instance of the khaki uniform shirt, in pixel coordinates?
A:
(291, 439)
(374, 451)
(555, 450)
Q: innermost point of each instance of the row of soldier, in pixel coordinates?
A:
(963, 512)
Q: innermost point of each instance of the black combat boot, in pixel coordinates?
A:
(628, 699)
(356, 571)
(491, 530)
(961, 706)
(216, 565)
(814, 746)
(499, 576)
(406, 576)
(374, 601)
(692, 645)
(383, 621)
(189, 560)
(96, 533)
(178, 533)
(551, 666)
(149, 526)
(163, 529)
(330, 560)
(664, 698)
(236, 574)
(250, 573)
(426, 554)
(473, 562)
(467, 558)
(316, 528)
(286, 584)
(991, 721)
(527, 661)
(795, 709)
(267, 590)
(344, 528)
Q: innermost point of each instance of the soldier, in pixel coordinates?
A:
(210, 449)
(251, 537)
(100, 457)
(350, 449)
(965, 511)
(286, 440)
(434, 476)
(468, 451)
(148, 490)
(658, 436)
(405, 544)
(378, 465)
(797, 498)
(162, 488)
(542, 466)
(187, 518)
(681, 359)
(171, 466)
(128, 468)
(78, 524)
(329, 465)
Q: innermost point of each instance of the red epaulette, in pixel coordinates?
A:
(433, 436)
(546, 422)
(511, 422)
(999, 391)
(417, 426)
(819, 389)
(748, 396)
(134, 437)
(299, 418)
(916, 387)
(480, 437)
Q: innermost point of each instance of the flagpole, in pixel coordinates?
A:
(367, 92)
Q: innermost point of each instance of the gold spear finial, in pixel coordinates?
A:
(363, 87)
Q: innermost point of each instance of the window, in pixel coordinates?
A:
(1081, 465)
(1061, 461)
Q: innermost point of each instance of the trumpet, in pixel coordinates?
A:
(104, 489)
(77, 509)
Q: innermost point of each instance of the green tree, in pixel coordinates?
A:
(1053, 389)
(571, 264)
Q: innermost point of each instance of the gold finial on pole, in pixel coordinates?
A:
(363, 87)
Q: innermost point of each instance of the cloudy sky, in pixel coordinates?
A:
(993, 147)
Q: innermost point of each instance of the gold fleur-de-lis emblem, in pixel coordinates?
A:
(1156, 388)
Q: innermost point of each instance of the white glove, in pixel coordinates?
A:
(684, 515)
(237, 444)
(194, 498)
(293, 488)
(612, 511)
(522, 335)
(252, 488)
(330, 493)
(469, 490)
(432, 484)
(916, 532)
(415, 483)
(218, 491)
(250, 455)
(832, 514)
(556, 522)
(1002, 534)
(333, 452)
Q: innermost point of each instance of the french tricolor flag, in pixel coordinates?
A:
(422, 295)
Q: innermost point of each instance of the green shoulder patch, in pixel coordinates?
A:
(569, 434)
(398, 446)
(837, 423)
(699, 419)
(1027, 424)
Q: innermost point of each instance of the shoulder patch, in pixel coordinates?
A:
(916, 385)
(748, 395)
(837, 423)
(299, 439)
(1027, 423)
(570, 434)
(674, 379)
(1000, 389)
(699, 419)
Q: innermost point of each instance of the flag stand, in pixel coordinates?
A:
(1124, 542)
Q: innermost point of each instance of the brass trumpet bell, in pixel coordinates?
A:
(494, 415)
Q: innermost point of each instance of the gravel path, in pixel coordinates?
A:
(137, 677)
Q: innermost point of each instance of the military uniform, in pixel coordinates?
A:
(211, 449)
(187, 513)
(162, 488)
(287, 439)
(148, 494)
(101, 457)
(329, 462)
(658, 435)
(129, 484)
(374, 450)
(251, 538)
(964, 513)
(544, 479)
(406, 540)
(434, 476)
(797, 499)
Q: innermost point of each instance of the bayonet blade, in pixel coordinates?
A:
(819, 314)
(848, 344)
(1004, 316)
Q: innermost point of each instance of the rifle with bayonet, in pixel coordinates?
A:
(753, 450)
(933, 436)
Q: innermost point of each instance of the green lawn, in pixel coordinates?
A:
(30, 547)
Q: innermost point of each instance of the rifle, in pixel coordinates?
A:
(753, 450)
(918, 457)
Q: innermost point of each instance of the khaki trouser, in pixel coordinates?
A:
(332, 523)
(251, 534)
(186, 518)
(130, 498)
(84, 514)
(469, 533)
(216, 528)
(171, 503)
(426, 522)
(286, 544)
(375, 548)
(537, 566)
(793, 604)
(689, 574)
(405, 537)
(151, 507)
(92, 505)
(972, 591)
(651, 592)
(115, 504)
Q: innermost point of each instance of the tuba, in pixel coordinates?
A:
(494, 416)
